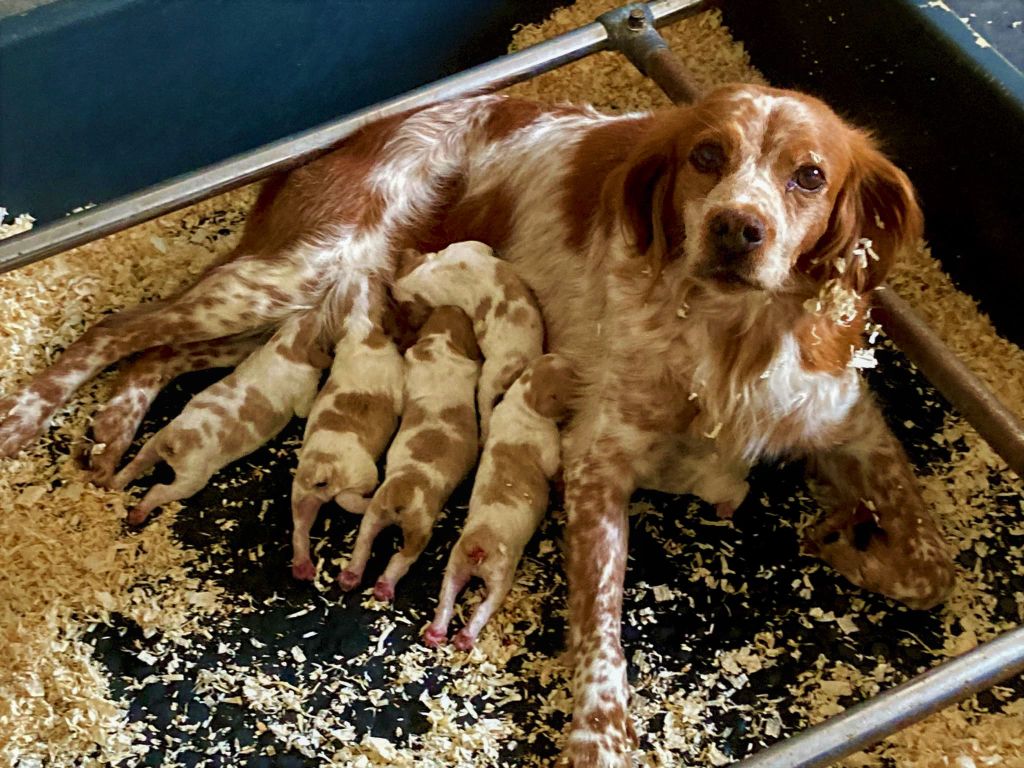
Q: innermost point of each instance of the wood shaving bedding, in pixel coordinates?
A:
(699, 695)
(67, 563)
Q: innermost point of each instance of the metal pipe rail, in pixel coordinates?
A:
(288, 153)
(870, 721)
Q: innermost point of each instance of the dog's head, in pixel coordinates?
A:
(757, 187)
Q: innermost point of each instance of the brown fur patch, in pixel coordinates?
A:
(428, 446)
(257, 410)
(482, 309)
(413, 415)
(369, 415)
(376, 339)
(333, 190)
(550, 386)
(598, 152)
(423, 351)
(410, 260)
(398, 491)
(305, 346)
(825, 345)
(461, 418)
(457, 325)
(486, 216)
(511, 115)
(512, 286)
(519, 478)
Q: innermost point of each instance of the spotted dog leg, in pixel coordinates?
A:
(242, 295)
(597, 494)
(878, 533)
(114, 427)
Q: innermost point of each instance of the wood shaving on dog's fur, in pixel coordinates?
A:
(122, 644)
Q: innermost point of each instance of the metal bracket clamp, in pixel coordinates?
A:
(631, 31)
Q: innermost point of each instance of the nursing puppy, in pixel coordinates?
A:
(352, 420)
(435, 448)
(506, 319)
(510, 494)
(233, 417)
(137, 386)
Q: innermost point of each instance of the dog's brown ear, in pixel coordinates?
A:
(639, 193)
(875, 218)
(890, 218)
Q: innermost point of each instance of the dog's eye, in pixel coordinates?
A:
(708, 157)
(809, 177)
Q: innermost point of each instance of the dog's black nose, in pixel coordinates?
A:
(735, 233)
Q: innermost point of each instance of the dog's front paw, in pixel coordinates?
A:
(883, 553)
(22, 418)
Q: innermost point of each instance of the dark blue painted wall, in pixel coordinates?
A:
(102, 97)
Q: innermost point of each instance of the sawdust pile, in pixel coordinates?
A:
(70, 568)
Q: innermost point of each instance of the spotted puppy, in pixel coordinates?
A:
(352, 420)
(510, 494)
(233, 417)
(137, 385)
(506, 318)
(435, 448)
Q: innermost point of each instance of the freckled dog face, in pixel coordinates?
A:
(753, 186)
(758, 179)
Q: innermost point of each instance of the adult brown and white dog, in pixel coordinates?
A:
(704, 268)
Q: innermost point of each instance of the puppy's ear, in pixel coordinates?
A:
(875, 218)
(640, 194)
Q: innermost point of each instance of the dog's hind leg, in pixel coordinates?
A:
(234, 298)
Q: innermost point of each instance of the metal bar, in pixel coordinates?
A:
(955, 680)
(977, 403)
(630, 29)
(288, 153)
(868, 722)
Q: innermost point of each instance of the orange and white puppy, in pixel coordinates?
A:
(506, 319)
(510, 494)
(138, 385)
(352, 420)
(435, 448)
(233, 417)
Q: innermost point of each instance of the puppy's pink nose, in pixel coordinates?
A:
(735, 233)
